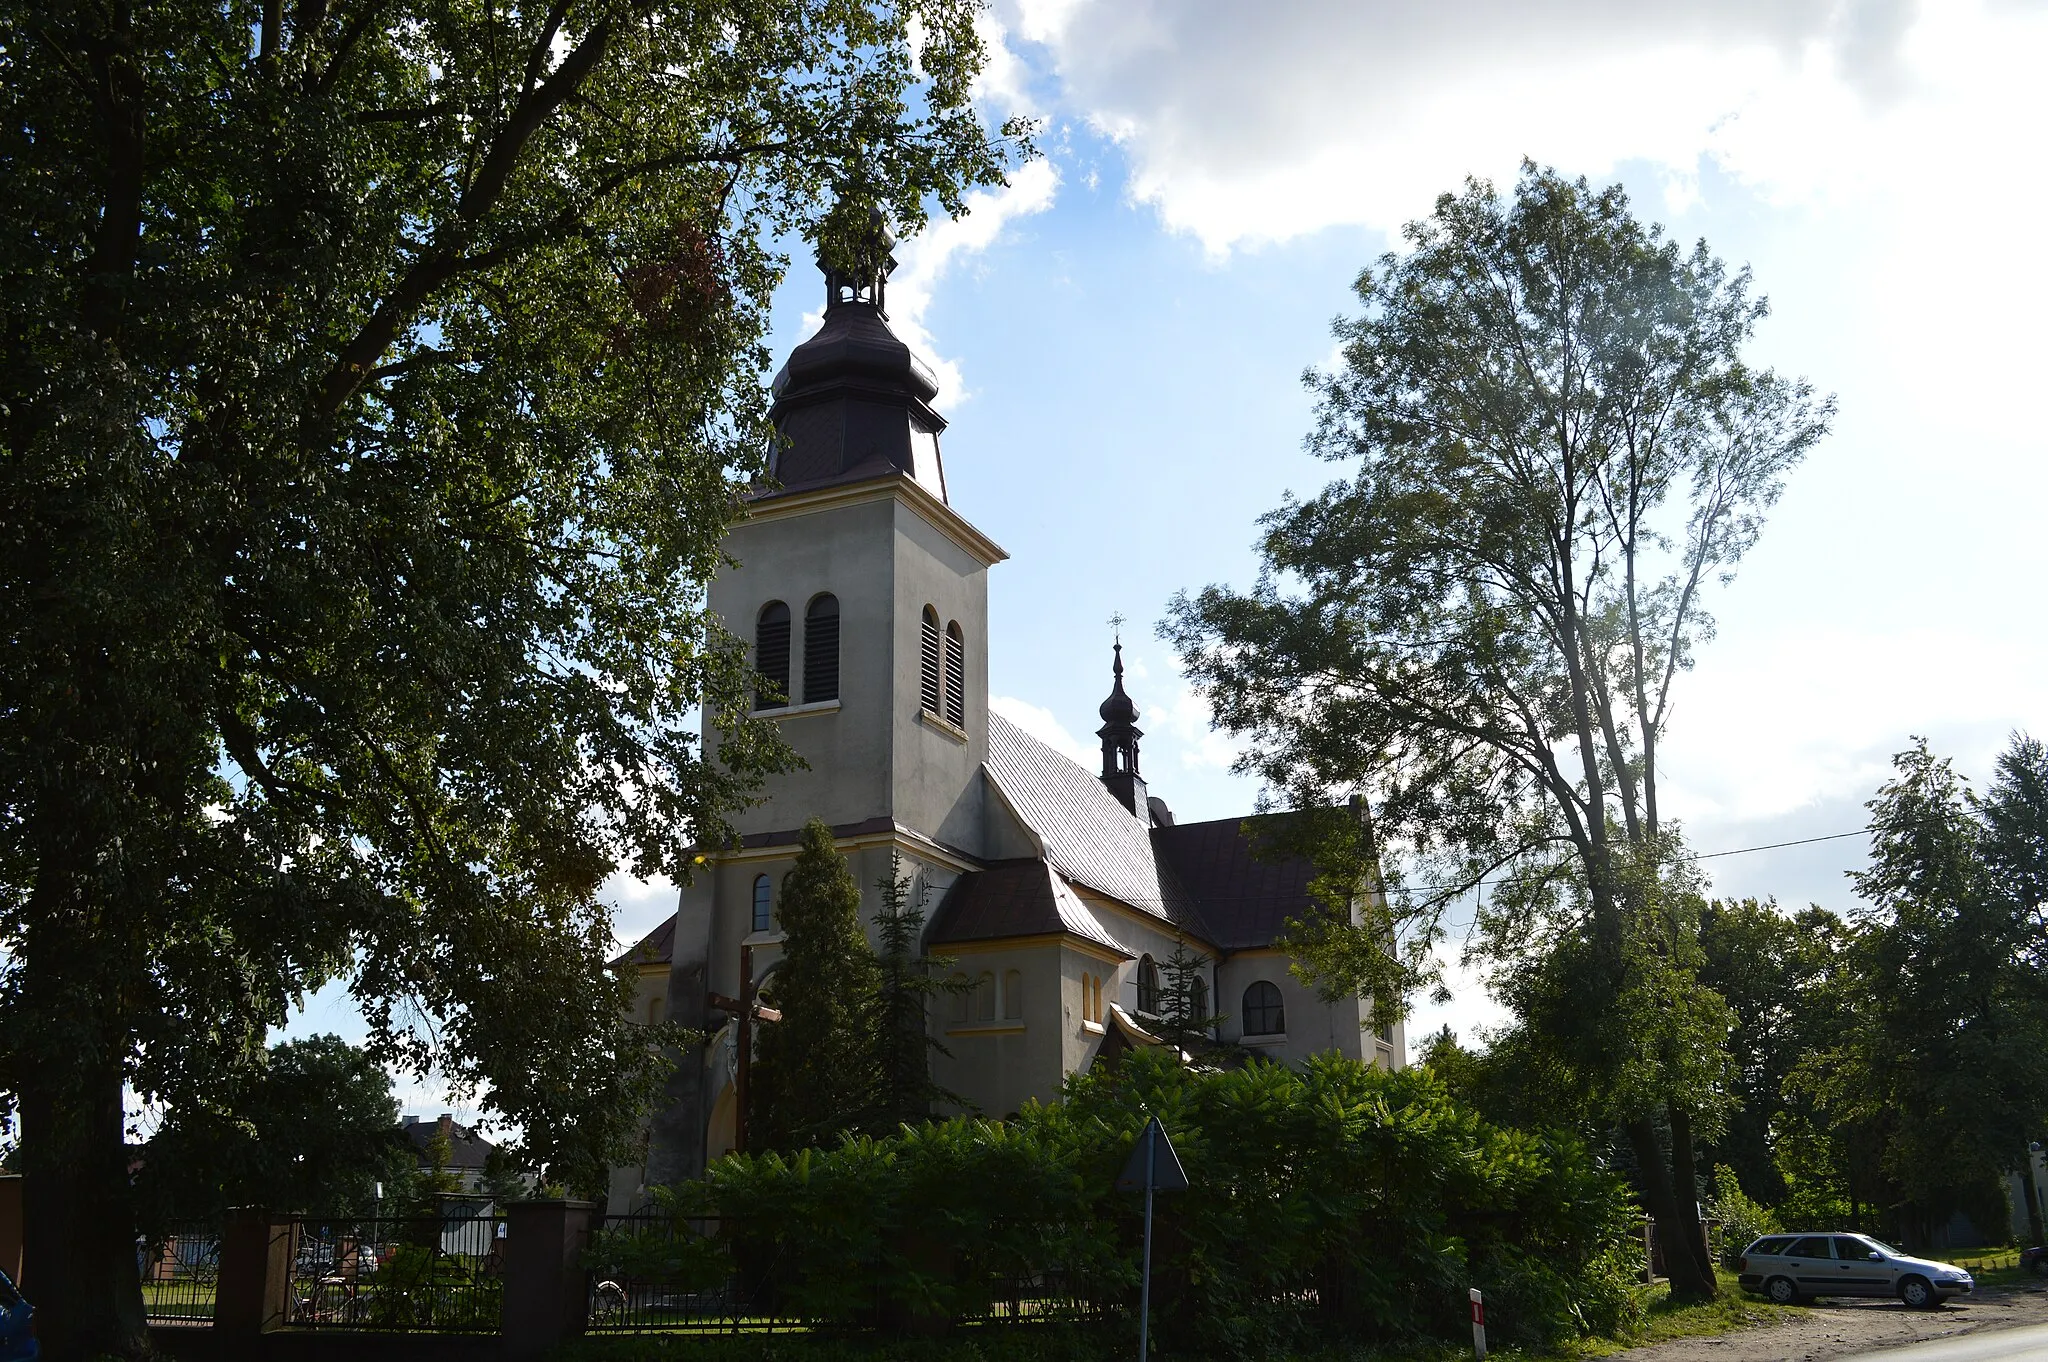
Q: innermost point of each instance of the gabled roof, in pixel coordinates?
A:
(1012, 899)
(656, 948)
(467, 1150)
(1245, 897)
(1088, 836)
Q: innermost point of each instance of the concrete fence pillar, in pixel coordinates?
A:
(546, 1299)
(252, 1291)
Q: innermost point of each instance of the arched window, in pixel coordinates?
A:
(821, 650)
(1013, 995)
(930, 663)
(764, 903)
(985, 997)
(1263, 1014)
(963, 998)
(771, 656)
(956, 676)
(1148, 985)
(1198, 999)
(654, 1011)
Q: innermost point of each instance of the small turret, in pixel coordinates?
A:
(1120, 734)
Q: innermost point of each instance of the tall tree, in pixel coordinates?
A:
(1187, 1018)
(313, 1128)
(1774, 970)
(906, 981)
(2015, 816)
(815, 1072)
(1558, 448)
(1949, 1051)
(377, 378)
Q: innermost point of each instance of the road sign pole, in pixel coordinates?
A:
(1145, 1287)
(1478, 1323)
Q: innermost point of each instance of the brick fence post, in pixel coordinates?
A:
(546, 1299)
(253, 1285)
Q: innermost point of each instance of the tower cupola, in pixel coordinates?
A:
(852, 402)
(1120, 734)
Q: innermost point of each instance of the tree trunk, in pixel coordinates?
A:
(1684, 1191)
(2033, 1191)
(1674, 1233)
(79, 1261)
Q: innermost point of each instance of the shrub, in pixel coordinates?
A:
(1337, 1201)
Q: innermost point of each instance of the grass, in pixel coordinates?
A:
(1659, 1321)
(1663, 1320)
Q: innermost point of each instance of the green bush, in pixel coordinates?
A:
(1337, 1201)
(1743, 1221)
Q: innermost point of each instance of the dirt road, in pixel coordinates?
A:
(1849, 1328)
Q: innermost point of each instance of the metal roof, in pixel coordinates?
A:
(1088, 836)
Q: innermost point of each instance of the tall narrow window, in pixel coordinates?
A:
(956, 676)
(985, 998)
(1148, 985)
(1013, 995)
(821, 650)
(771, 656)
(963, 998)
(1198, 999)
(1263, 1013)
(764, 903)
(930, 663)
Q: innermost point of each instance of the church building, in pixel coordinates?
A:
(1059, 892)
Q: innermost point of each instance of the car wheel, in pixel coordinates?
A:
(1918, 1293)
(1782, 1291)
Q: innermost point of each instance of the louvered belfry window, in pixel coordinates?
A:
(771, 656)
(956, 676)
(821, 650)
(929, 663)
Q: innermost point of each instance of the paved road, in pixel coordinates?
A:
(2029, 1344)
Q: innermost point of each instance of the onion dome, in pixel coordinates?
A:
(853, 402)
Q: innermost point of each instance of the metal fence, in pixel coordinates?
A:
(654, 1273)
(179, 1275)
(440, 1272)
(651, 1273)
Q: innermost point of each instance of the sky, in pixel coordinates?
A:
(1120, 336)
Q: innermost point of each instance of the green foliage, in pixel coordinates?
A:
(311, 1129)
(906, 981)
(1482, 627)
(1371, 1191)
(1777, 972)
(815, 1071)
(1939, 1068)
(1187, 1019)
(1742, 1218)
(380, 378)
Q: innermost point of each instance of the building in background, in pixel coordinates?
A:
(1060, 892)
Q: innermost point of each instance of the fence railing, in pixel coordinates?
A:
(653, 1273)
(440, 1272)
(180, 1274)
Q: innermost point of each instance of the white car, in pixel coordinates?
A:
(1795, 1267)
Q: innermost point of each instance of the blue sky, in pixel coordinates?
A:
(1122, 332)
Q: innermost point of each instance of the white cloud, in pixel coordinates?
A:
(1045, 726)
(1800, 718)
(1245, 124)
(925, 260)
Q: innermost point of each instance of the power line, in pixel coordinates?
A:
(1773, 846)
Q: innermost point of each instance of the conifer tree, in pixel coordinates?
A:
(1185, 1020)
(907, 980)
(814, 1073)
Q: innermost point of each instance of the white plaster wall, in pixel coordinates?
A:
(1000, 1064)
(937, 786)
(1313, 1026)
(848, 550)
